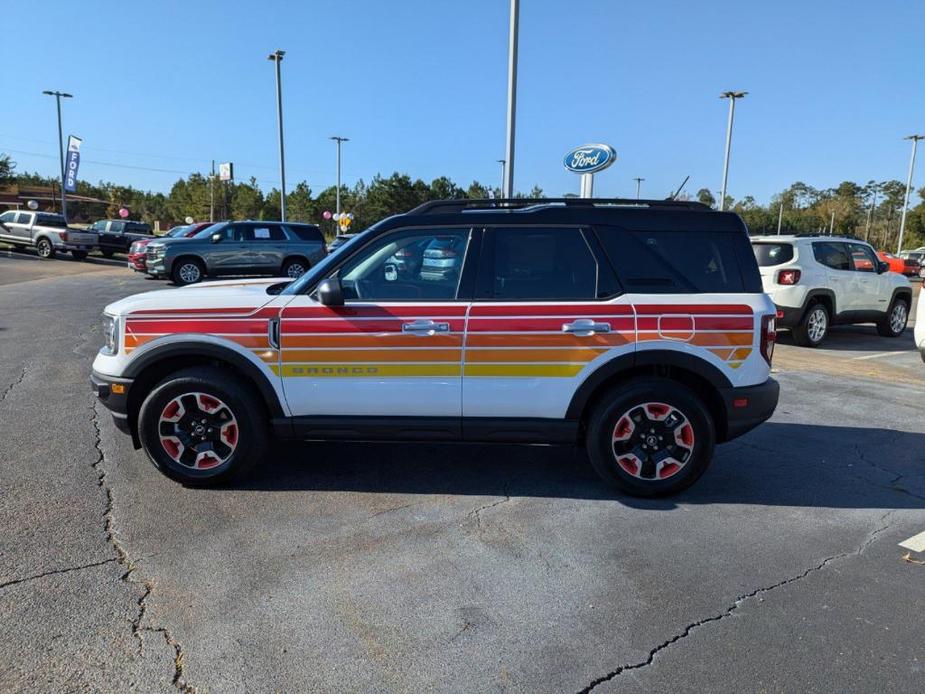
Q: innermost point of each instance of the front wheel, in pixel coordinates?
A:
(79, 255)
(894, 323)
(201, 426)
(650, 437)
(813, 328)
(187, 271)
(44, 248)
(107, 253)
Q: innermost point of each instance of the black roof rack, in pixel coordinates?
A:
(501, 204)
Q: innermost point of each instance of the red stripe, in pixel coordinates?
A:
(164, 311)
(694, 309)
(535, 324)
(198, 326)
(341, 325)
(205, 313)
(557, 310)
(397, 312)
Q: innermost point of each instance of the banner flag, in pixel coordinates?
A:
(72, 163)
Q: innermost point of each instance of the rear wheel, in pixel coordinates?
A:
(106, 252)
(650, 437)
(894, 323)
(200, 426)
(187, 271)
(295, 267)
(79, 255)
(44, 248)
(813, 328)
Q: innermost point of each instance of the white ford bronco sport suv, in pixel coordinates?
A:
(637, 328)
(819, 281)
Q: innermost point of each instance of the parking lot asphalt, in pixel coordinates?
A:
(412, 567)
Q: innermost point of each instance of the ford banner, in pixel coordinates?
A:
(72, 163)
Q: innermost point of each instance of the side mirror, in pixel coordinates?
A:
(883, 267)
(330, 292)
(216, 238)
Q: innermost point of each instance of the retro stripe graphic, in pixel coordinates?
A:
(484, 340)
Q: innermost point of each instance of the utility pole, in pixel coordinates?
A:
(732, 96)
(502, 162)
(870, 216)
(780, 218)
(832, 223)
(58, 96)
(212, 194)
(638, 185)
(507, 191)
(338, 140)
(277, 57)
(902, 224)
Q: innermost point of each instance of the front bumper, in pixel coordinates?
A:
(113, 393)
(138, 262)
(748, 406)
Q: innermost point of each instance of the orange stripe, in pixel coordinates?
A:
(562, 340)
(702, 339)
(377, 356)
(525, 356)
(371, 340)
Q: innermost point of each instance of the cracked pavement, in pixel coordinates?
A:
(404, 567)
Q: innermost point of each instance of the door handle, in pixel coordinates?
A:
(425, 327)
(585, 327)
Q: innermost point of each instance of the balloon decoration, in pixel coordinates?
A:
(123, 212)
(343, 219)
(32, 205)
(188, 220)
(327, 214)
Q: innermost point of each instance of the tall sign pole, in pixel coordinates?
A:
(902, 223)
(508, 189)
(58, 96)
(338, 140)
(588, 160)
(277, 57)
(732, 96)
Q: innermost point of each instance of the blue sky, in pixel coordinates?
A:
(420, 87)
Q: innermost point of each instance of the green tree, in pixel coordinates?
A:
(706, 197)
(6, 169)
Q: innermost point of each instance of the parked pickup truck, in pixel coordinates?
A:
(118, 235)
(46, 232)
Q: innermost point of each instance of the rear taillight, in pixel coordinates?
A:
(443, 253)
(768, 337)
(788, 277)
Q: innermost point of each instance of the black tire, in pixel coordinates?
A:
(894, 322)
(106, 252)
(814, 327)
(79, 255)
(295, 267)
(183, 271)
(624, 403)
(236, 399)
(44, 248)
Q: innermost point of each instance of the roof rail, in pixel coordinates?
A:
(500, 204)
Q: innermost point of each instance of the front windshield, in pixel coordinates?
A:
(209, 230)
(175, 232)
(321, 269)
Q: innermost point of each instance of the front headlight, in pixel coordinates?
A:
(110, 335)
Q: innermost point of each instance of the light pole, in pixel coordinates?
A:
(638, 185)
(502, 162)
(870, 215)
(58, 96)
(902, 224)
(507, 190)
(780, 218)
(338, 140)
(732, 96)
(277, 57)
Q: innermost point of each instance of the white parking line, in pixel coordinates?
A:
(878, 355)
(916, 543)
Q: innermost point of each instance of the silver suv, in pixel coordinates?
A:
(237, 248)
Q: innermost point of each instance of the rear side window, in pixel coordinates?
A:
(50, 220)
(535, 264)
(668, 262)
(306, 232)
(768, 254)
(263, 233)
(832, 254)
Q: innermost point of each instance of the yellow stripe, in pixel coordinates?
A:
(322, 370)
(524, 370)
(741, 353)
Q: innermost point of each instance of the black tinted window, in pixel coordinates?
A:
(50, 220)
(864, 258)
(831, 254)
(768, 254)
(24, 218)
(542, 265)
(306, 232)
(665, 262)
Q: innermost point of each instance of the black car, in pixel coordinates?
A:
(118, 235)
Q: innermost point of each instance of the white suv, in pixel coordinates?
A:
(818, 281)
(920, 324)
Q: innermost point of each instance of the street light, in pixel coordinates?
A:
(58, 96)
(507, 190)
(638, 185)
(732, 96)
(902, 224)
(502, 162)
(338, 140)
(277, 57)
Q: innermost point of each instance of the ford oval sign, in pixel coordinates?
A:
(589, 158)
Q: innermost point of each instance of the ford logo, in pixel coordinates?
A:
(589, 158)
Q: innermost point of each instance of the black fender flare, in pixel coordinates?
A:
(814, 294)
(650, 357)
(904, 292)
(193, 348)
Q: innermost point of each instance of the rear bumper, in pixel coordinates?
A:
(749, 406)
(112, 392)
(789, 317)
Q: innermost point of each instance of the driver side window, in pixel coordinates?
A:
(413, 265)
